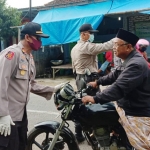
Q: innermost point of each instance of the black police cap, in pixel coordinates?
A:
(33, 28)
(87, 27)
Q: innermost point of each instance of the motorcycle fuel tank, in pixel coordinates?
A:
(99, 115)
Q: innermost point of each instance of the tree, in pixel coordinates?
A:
(8, 17)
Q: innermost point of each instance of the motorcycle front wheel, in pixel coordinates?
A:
(40, 139)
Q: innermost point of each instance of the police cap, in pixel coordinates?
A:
(87, 27)
(33, 28)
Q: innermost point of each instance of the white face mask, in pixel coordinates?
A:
(91, 38)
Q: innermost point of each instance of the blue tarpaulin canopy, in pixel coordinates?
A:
(122, 6)
(62, 24)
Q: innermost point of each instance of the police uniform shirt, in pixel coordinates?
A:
(84, 55)
(17, 74)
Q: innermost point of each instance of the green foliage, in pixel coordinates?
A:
(2, 4)
(8, 17)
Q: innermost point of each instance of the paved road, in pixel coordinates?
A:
(40, 109)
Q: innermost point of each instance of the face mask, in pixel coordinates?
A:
(142, 49)
(91, 38)
(35, 45)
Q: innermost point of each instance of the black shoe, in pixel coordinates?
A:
(80, 138)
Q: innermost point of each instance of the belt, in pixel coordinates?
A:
(79, 76)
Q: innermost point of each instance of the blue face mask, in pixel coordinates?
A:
(143, 49)
(91, 38)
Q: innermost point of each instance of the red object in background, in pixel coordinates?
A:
(109, 56)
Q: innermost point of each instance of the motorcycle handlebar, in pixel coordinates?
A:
(80, 94)
(88, 88)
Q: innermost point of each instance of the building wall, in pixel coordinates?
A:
(44, 56)
(140, 25)
(107, 30)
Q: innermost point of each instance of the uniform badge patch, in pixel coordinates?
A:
(10, 55)
(22, 72)
(24, 67)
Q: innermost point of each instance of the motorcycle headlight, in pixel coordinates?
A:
(65, 94)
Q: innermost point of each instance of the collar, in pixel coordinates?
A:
(82, 41)
(20, 45)
(129, 57)
(22, 48)
(23, 51)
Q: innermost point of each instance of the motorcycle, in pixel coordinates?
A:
(100, 133)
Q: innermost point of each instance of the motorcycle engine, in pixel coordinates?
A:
(102, 136)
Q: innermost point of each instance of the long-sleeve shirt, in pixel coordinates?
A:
(17, 74)
(129, 86)
(84, 55)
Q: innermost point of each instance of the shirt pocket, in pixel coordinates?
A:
(22, 71)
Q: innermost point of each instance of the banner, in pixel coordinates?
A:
(142, 29)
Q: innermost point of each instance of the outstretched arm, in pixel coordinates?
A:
(128, 80)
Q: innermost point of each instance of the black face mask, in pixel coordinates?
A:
(143, 49)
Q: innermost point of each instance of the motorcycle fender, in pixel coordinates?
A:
(48, 125)
(52, 126)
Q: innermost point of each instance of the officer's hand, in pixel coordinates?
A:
(88, 99)
(93, 84)
(5, 123)
(59, 86)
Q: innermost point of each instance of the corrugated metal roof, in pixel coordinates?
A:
(70, 2)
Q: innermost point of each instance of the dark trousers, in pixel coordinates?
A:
(18, 137)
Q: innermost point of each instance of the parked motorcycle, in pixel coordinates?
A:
(100, 133)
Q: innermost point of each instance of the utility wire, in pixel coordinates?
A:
(24, 15)
(110, 6)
